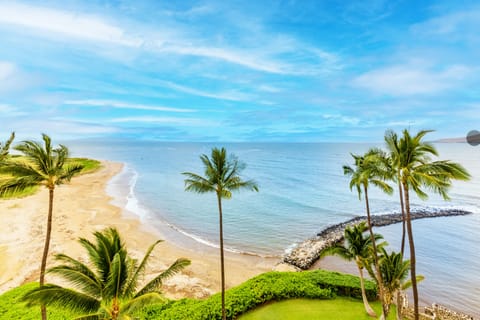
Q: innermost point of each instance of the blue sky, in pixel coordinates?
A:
(239, 70)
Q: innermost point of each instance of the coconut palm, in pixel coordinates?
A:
(4, 148)
(357, 247)
(417, 172)
(41, 165)
(369, 169)
(106, 287)
(222, 177)
(394, 273)
(391, 141)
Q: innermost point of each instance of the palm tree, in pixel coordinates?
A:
(6, 146)
(41, 165)
(391, 140)
(106, 288)
(221, 177)
(370, 169)
(356, 246)
(416, 172)
(394, 272)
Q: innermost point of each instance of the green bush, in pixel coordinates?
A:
(13, 309)
(271, 286)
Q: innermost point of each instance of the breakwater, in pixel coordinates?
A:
(307, 252)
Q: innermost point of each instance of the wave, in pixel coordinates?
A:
(126, 198)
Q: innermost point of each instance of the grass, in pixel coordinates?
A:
(90, 165)
(299, 309)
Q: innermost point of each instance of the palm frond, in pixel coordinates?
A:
(132, 282)
(53, 295)
(154, 284)
(407, 284)
(4, 148)
(140, 302)
(198, 183)
(116, 277)
(78, 274)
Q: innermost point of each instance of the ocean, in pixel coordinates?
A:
(302, 190)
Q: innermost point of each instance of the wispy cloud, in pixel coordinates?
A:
(123, 105)
(404, 80)
(166, 120)
(452, 26)
(59, 22)
(233, 95)
(7, 69)
(277, 56)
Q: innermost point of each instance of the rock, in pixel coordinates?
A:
(305, 254)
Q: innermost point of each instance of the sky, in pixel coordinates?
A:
(282, 71)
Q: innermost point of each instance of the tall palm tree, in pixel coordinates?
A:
(418, 172)
(391, 141)
(41, 165)
(357, 247)
(4, 148)
(370, 169)
(222, 177)
(107, 287)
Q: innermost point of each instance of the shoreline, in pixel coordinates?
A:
(84, 206)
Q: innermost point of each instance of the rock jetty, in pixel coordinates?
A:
(306, 253)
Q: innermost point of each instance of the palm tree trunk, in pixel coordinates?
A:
(411, 244)
(367, 306)
(43, 266)
(375, 255)
(222, 259)
(399, 305)
(402, 205)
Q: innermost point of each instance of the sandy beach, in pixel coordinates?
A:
(83, 206)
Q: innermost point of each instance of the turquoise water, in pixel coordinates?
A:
(302, 190)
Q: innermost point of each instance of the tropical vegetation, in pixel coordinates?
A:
(222, 176)
(40, 165)
(4, 148)
(107, 287)
(356, 247)
(271, 286)
(371, 169)
(413, 168)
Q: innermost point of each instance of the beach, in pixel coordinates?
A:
(82, 207)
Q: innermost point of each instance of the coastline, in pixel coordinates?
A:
(84, 206)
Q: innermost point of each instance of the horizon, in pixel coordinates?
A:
(274, 71)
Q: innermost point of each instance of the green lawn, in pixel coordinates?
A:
(296, 309)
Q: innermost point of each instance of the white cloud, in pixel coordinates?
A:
(123, 105)
(65, 23)
(166, 120)
(278, 56)
(9, 111)
(7, 70)
(402, 80)
(12, 78)
(457, 23)
(227, 95)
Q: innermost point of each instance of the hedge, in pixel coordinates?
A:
(271, 286)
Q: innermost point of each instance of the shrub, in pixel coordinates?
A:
(271, 286)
